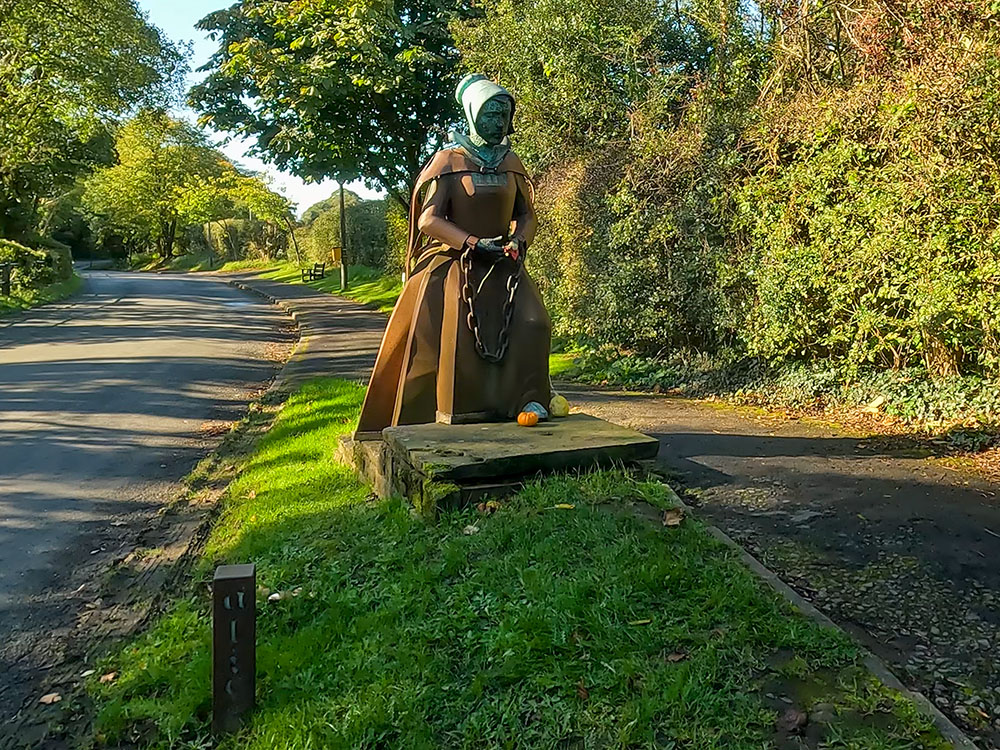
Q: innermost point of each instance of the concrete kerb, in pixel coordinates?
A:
(875, 665)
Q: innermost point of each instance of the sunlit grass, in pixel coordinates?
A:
(27, 298)
(549, 627)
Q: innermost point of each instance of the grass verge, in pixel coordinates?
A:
(369, 286)
(566, 619)
(27, 298)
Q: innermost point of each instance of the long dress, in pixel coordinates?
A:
(428, 368)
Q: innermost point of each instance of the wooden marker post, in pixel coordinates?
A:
(234, 652)
(5, 269)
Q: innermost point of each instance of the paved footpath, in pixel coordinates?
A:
(897, 549)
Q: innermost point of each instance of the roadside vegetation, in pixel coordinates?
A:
(22, 299)
(569, 617)
(779, 204)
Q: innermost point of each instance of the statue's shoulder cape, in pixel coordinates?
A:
(445, 162)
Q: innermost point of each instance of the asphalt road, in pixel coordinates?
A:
(106, 402)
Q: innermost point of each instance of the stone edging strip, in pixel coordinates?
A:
(873, 664)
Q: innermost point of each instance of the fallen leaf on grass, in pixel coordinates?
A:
(109, 677)
(470, 530)
(564, 506)
(640, 622)
(676, 656)
(489, 507)
(673, 517)
(582, 691)
(50, 698)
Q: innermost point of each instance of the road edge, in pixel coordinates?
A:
(184, 529)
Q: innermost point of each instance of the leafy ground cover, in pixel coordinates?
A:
(570, 617)
(955, 416)
(22, 299)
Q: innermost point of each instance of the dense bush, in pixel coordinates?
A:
(736, 179)
(32, 268)
(366, 222)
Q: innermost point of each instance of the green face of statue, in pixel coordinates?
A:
(493, 122)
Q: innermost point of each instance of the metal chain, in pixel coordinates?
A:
(469, 297)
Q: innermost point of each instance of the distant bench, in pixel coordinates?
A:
(318, 271)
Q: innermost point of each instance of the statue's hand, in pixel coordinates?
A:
(490, 247)
(514, 248)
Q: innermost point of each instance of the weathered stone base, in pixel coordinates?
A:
(448, 465)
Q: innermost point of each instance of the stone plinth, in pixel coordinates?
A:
(449, 465)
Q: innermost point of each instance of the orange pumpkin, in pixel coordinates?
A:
(527, 419)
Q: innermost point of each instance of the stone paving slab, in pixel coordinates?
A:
(481, 452)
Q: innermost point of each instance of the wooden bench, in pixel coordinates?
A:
(318, 271)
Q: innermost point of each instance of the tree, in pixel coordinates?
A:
(334, 89)
(163, 166)
(68, 68)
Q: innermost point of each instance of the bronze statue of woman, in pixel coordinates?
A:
(468, 340)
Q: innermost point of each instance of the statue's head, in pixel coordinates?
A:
(489, 108)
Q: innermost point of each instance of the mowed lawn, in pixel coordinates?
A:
(369, 286)
(570, 617)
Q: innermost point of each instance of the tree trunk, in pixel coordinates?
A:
(168, 231)
(295, 243)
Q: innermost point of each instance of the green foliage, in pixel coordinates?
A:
(31, 268)
(396, 237)
(875, 241)
(811, 190)
(336, 90)
(579, 70)
(29, 297)
(67, 67)
(550, 627)
(366, 222)
(161, 163)
(167, 178)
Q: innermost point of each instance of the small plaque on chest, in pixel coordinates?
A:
(482, 179)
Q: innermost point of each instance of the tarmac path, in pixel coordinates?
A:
(106, 402)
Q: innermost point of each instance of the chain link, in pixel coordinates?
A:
(471, 319)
